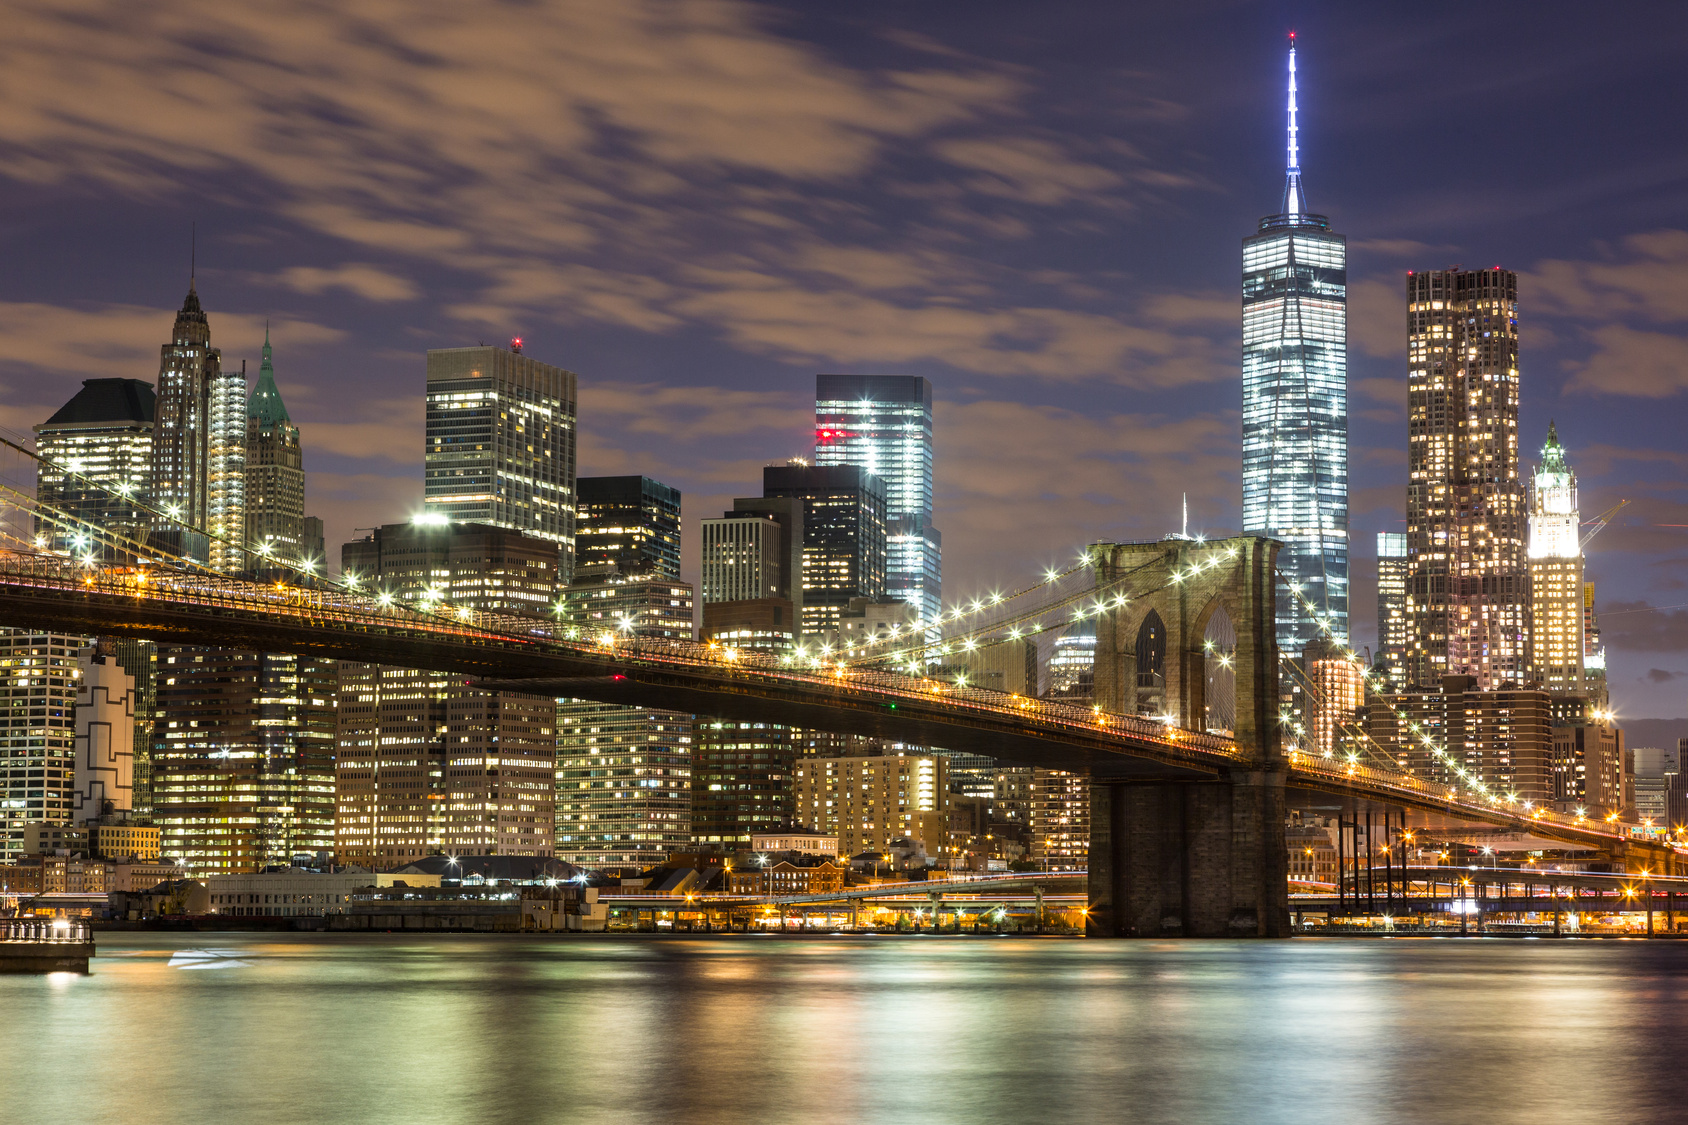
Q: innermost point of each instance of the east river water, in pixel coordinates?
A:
(255, 1029)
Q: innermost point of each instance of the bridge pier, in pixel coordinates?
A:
(1189, 859)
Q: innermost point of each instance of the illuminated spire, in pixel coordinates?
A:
(1295, 201)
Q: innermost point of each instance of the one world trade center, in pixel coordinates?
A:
(1295, 406)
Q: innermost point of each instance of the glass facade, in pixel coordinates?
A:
(500, 442)
(102, 440)
(883, 423)
(843, 537)
(1295, 405)
(242, 758)
(1393, 632)
(633, 522)
(225, 461)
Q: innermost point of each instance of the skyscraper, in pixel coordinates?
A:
(1468, 584)
(883, 423)
(1295, 403)
(633, 522)
(189, 375)
(843, 537)
(38, 746)
(242, 757)
(1394, 637)
(754, 568)
(275, 472)
(624, 774)
(1556, 573)
(427, 765)
(99, 445)
(500, 442)
(225, 495)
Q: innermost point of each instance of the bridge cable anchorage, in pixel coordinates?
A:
(1531, 816)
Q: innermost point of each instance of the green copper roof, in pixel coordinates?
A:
(265, 403)
(1553, 454)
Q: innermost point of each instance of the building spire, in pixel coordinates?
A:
(265, 402)
(1295, 201)
(193, 253)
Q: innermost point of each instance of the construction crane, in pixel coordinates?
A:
(1598, 523)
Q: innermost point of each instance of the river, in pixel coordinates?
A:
(259, 1029)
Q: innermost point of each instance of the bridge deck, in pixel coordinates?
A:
(538, 655)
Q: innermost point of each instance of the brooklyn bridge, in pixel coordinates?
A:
(1187, 819)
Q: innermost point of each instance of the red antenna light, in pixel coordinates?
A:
(516, 344)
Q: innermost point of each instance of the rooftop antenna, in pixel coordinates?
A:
(1294, 200)
(193, 253)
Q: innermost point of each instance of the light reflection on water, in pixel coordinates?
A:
(388, 1028)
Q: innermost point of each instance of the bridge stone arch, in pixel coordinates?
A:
(1184, 583)
(1174, 857)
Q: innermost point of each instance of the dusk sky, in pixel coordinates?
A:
(697, 206)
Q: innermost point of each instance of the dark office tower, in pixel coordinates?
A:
(242, 758)
(275, 474)
(633, 522)
(1468, 584)
(843, 537)
(1295, 404)
(500, 443)
(883, 423)
(428, 766)
(99, 446)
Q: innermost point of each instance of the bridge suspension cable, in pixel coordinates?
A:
(1375, 690)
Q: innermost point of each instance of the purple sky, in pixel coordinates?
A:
(696, 206)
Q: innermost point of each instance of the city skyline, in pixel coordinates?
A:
(377, 305)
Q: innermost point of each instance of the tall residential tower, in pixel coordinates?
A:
(1468, 584)
(1295, 403)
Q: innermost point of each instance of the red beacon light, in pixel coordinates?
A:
(516, 344)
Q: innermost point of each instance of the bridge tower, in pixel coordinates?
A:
(1176, 857)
